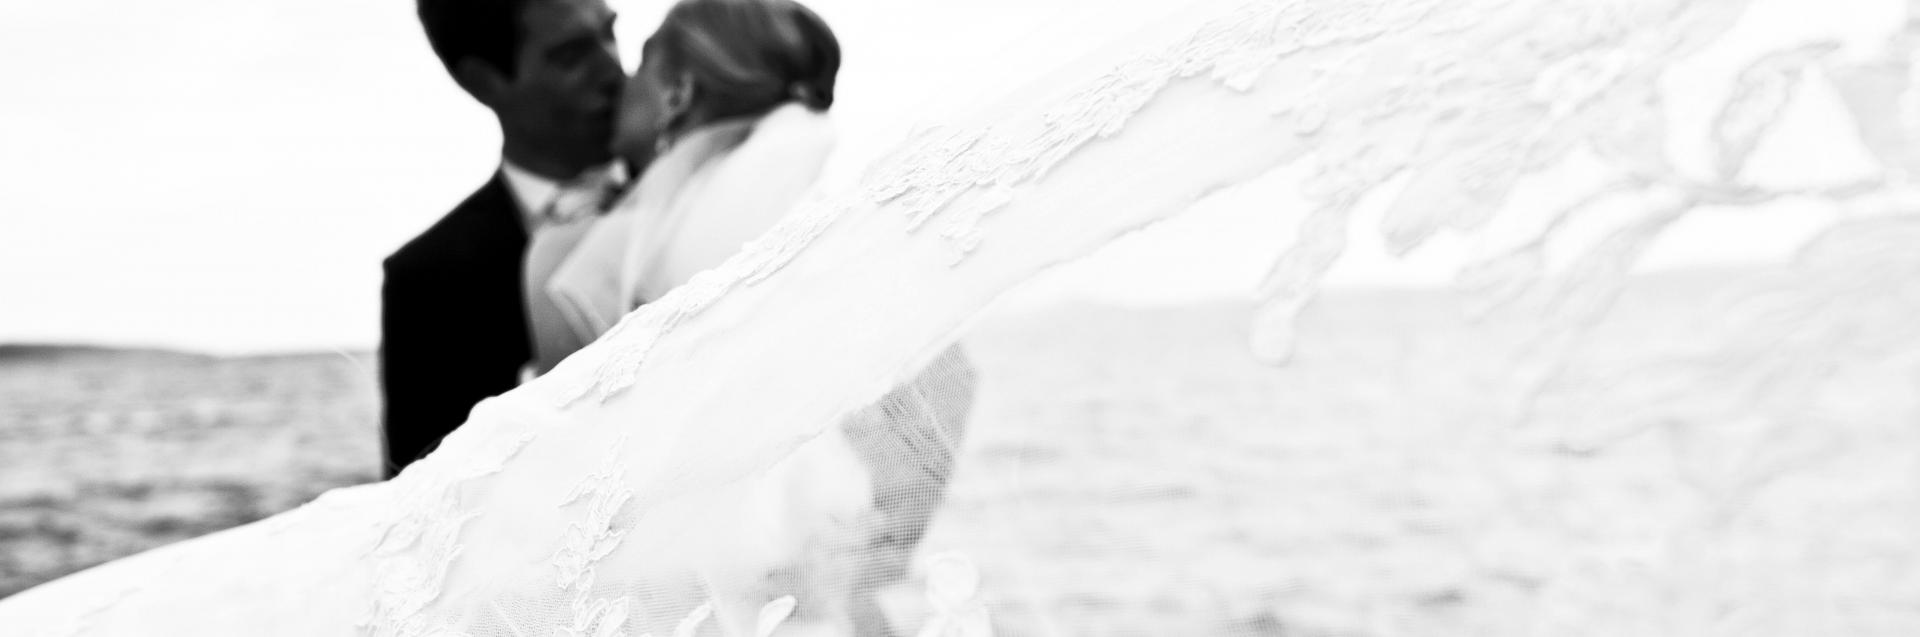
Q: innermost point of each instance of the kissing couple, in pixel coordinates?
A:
(613, 190)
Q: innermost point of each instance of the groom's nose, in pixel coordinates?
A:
(607, 58)
(606, 63)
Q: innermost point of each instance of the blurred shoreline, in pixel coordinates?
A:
(106, 451)
(1135, 469)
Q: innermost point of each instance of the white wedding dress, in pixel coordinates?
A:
(647, 485)
(870, 484)
(719, 186)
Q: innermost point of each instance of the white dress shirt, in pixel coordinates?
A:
(556, 217)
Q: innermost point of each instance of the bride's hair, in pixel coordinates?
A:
(748, 56)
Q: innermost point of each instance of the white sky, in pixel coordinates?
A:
(227, 174)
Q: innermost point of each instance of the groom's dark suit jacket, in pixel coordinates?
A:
(453, 323)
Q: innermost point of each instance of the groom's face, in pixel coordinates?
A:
(566, 85)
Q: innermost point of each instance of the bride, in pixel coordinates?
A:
(647, 484)
(728, 111)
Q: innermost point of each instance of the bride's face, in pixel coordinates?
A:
(645, 110)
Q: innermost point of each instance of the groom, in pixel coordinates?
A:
(453, 323)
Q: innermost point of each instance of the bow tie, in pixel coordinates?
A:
(586, 195)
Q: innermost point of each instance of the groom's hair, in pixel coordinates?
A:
(488, 30)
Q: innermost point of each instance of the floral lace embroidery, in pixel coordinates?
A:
(938, 168)
(773, 614)
(1233, 51)
(1594, 71)
(604, 492)
(691, 623)
(601, 618)
(952, 584)
(416, 549)
(417, 555)
(634, 336)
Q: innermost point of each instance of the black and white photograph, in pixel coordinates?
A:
(930, 318)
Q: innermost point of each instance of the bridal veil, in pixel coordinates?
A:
(1753, 430)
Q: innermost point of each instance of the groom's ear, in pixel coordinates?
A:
(480, 79)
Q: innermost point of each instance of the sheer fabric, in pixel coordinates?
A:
(718, 187)
(700, 469)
